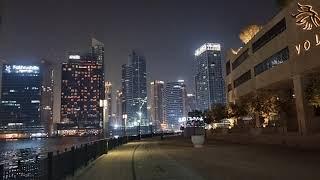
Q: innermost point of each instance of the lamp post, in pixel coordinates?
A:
(141, 103)
(139, 124)
(124, 116)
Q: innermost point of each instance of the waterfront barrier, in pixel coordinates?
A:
(59, 165)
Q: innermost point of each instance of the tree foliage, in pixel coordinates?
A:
(217, 113)
(237, 110)
(313, 91)
(249, 32)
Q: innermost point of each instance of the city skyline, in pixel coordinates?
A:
(175, 48)
(159, 89)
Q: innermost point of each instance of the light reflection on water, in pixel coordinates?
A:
(13, 150)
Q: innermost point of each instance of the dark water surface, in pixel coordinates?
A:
(13, 150)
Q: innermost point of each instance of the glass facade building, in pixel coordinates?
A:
(134, 89)
(209, 80)
(20, 108)
(174, 103)
(156, 101)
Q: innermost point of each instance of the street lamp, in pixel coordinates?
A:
(139, 129)
(141, 103)
(151, 132)
(124, 116)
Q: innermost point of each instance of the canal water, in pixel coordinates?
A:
(13, 150)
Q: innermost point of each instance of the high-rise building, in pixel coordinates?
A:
(97, 50)
(108, 95)
(174, 103)
(47, 99)
(156, 103)
(26, 100)
(82, 90)
(209, 76)
(191, 103)
(134, 89)
(119, 104)
(83, 95)
(97, 53)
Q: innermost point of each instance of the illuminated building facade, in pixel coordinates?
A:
(119, 104)
(134, 89)
(97, 50)
(108, 96)
(174, 103)
(209, 76)
(282, 58)
(47, 99)
(82, 89)
(26, 100)
(191, 103)
(156, 103)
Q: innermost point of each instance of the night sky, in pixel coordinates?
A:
(166, 31)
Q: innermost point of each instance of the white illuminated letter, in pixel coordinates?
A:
(307, 45)
(298, 48)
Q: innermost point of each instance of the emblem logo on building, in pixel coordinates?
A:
(307, 17)
(8, 68)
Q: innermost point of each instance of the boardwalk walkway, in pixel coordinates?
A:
(175, 158)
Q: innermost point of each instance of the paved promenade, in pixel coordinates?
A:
(175, 158)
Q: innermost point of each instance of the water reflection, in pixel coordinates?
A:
(11, 151)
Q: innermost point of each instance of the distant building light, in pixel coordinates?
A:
(190, 95)
(35, 101)
(15, 124)
(74, 57)
(21, 69)
(157, 82)
(208, 47)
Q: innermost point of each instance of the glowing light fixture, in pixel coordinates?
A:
(74, 57)
(208, 47)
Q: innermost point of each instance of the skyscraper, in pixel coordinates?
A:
(174, 105)
(156, 103)
(119, 103)
(46, 102)
(26, 100)
(97, 50)
(209, 76)
(82, 90)
(191, 103)
(108, 95)
(134, 89)
(97, 54)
